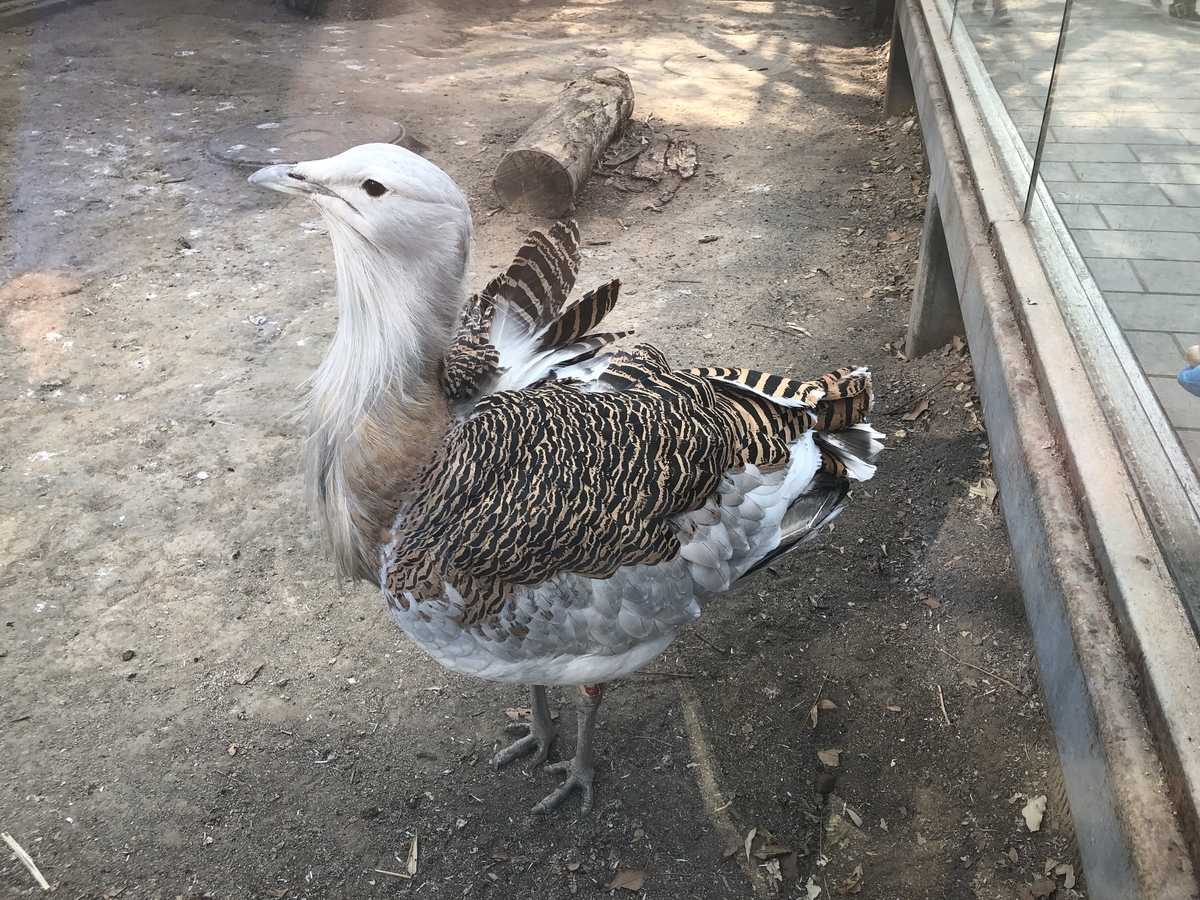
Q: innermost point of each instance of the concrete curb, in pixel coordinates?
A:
(1064, 485)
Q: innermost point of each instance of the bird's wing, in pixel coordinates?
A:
(553, 486)
(516, 331)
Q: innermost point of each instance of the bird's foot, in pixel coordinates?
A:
(535, 742)
(540, 736)
(578, 778)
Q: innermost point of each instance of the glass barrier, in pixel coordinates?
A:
(1122, 167)
(1094, 115)
(1015, 41)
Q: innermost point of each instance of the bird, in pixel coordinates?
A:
(536, 504)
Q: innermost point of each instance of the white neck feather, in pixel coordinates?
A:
(397, 316)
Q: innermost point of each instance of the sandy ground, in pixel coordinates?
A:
(191, 705)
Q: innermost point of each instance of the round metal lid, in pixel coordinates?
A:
(292, 140)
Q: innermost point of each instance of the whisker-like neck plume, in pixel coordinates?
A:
(376, 409)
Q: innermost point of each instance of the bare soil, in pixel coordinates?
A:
(192, 706)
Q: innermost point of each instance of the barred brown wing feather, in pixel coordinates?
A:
(528, 298)
(551, 479)
(582, 317)
(541, 276)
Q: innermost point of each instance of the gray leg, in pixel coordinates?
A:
(579, 769)
(541, 733)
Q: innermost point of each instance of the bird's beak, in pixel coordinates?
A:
(287, 180)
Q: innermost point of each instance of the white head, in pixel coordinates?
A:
(401, 233)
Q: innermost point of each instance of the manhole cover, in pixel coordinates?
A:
(718, 64)
(293, 140)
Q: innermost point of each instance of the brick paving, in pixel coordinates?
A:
(1122, 163)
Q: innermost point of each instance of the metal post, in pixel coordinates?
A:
(1041, 144)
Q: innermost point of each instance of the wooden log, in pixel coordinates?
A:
(545, 169)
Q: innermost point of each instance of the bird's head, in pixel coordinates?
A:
(380, 198)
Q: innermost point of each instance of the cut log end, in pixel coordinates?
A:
(533, 181)
(549, 164)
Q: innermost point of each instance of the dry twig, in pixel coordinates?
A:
(984, 671)
(26, 859)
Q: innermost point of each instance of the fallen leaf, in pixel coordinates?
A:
(412, 856)
(811, 889)
(1012, 853)
(825, 782)
(830, 757)
(819, 705)
(854, 817)
(1033, 812)
(853, 884)
(277, 892)
(931, 603)
(772, 851)
(1042, 888)
(1067, 871)
(894, 709)
(985, 488)
(892, 236)
(915, 413)
(501, 856)
(629, 879)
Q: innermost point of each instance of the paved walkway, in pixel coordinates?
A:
(1122, 163)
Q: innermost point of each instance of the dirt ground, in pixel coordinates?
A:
(192, 706)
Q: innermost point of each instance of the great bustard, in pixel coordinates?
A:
(537, 507)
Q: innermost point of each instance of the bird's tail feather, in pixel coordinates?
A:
(819, 505)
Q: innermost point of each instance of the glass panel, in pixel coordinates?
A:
(1015, 41)
(1122, 164)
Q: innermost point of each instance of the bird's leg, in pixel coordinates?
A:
(541, 732)
(579, 769)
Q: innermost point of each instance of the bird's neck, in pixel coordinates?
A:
(377, 410)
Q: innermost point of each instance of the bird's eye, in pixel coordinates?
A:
(374, 188)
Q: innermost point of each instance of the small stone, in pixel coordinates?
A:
(127, 656)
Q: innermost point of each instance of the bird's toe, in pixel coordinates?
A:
(580, 780)
(536, 744)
